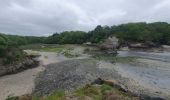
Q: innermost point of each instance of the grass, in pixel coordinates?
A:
(114, 59)
(103, 92)
(13, 98)
(65, 50)
(44, 47)
(88, 92)
(52, 49)
(69, 54)
(60, 49)
(58, 95)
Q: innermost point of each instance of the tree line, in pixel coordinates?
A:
(10, 41)
(158, 32)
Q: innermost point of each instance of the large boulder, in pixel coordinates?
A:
(166, 48)
(110, 44)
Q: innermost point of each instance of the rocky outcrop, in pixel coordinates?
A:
(27, 63)
(110, 44)
(166, 48)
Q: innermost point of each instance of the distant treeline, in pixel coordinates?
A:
(158, 32)
(8, 41)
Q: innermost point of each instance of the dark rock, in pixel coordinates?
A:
(18, 66)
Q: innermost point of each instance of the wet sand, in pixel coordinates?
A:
(23, 82)
(18, 84)
(150, 74)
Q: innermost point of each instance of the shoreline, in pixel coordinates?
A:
(47, 58)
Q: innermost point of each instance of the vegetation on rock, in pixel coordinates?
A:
(88, 92)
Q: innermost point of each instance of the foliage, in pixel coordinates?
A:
(12, 55)
(98, 34)
(58, 95)
(9, 47)
(105, 88)
(88, 92)
(15, 40)
(158, 32)
(149, 33)
(13, 98)
(72, 37)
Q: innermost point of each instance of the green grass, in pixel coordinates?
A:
(94, 92)
(90, 91)
(44, 47)
(13, 98)
(57, 95)
(105, 88)
(52, 49)
(60, 49)
(69, 54)
(66, 51)
(102, 92)
(115, 59)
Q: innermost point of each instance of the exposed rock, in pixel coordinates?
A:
(124, 48)
(112, 83)
(137, 45)
(145, 45)
(88, 43)
(18, 66)
(110, 44)
(166, 48)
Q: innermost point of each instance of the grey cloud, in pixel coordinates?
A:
(44, 17)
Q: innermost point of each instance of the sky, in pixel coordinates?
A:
(45, 17)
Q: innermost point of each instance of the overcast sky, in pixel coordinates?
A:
(44, 17)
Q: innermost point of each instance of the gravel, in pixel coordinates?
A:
(69, 75)
(72, 74)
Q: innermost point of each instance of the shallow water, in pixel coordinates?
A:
(164, 56)
(153, 72)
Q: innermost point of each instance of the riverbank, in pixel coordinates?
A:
(23, 82)
(142, 73)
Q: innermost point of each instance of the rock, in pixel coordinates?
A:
(18, 66)
(112, 83)
(166, 48)
(88, 43)
(124, 48)
(109, 44)
(137, 45)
